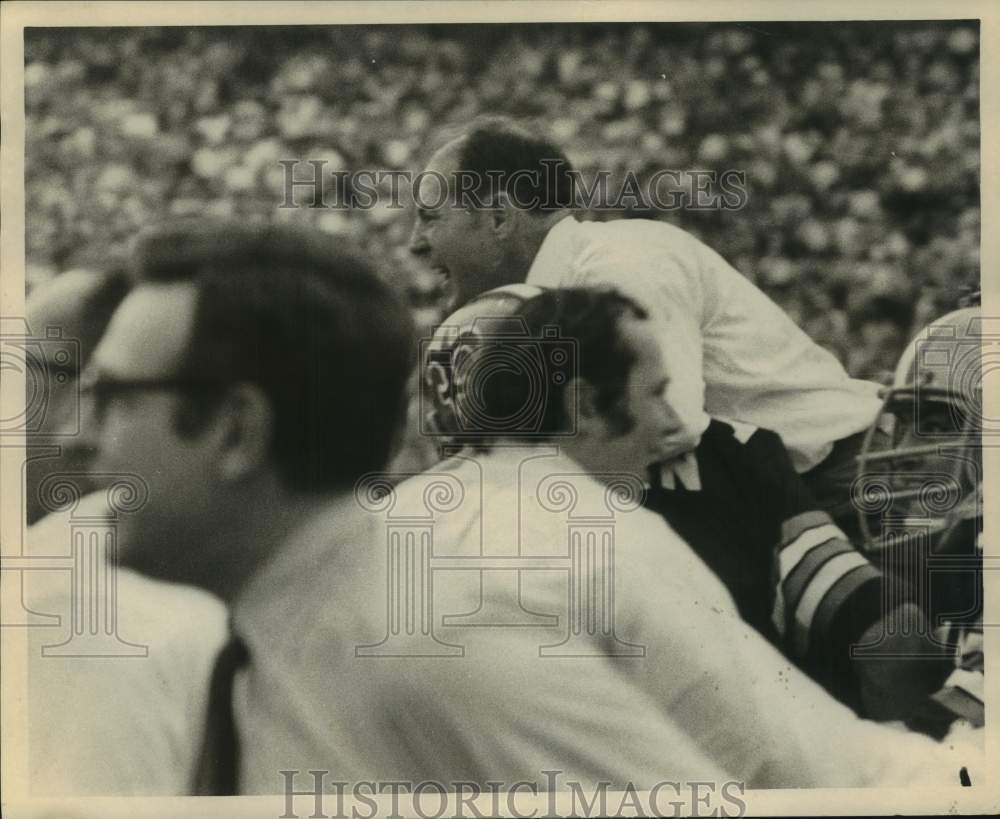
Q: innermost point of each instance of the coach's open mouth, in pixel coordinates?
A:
(446, 287)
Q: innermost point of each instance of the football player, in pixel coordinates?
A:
(739, 503)
(920, 501)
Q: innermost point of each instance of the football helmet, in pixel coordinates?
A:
(920, 467)
(919, 495)
(453, 371)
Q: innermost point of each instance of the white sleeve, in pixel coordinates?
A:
(668, 285)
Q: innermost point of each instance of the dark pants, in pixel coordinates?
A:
(830, 481)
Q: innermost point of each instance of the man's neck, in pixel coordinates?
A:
(258, 533)
(532, 238)
(590, 455)
(585, 453)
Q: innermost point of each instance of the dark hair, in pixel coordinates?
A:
(533, 172)
(97, 307)
(591, 320)
(310, 323)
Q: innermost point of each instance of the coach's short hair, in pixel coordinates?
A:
(532, 171)
(591, 320)
(305, 319)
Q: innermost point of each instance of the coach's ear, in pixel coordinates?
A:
(580, 405)
(503, 215)
(248, 421)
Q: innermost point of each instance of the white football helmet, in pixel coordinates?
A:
(921, 463)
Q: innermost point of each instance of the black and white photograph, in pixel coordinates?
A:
(499, 409)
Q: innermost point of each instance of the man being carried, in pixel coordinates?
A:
(495, 207)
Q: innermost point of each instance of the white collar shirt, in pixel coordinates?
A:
(131, 722)
(731, 351)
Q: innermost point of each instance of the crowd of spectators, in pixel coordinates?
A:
(859, 141)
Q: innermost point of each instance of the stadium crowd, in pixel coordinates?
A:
(251, 373)
(860, 142)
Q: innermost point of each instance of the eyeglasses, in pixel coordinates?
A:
(102, 388)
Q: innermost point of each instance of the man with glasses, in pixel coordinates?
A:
(251, 377)
(128, 722)
(73, 309)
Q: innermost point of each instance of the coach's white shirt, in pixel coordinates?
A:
(731, 351)
(709, 700)
(125, 725)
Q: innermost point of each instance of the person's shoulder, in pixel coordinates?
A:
(457, 471)
(625, 252)
(177, 611)
(51, 533)
(643, 537)
(146, 610)
(756, 459)
(658, 571)
(652, 229)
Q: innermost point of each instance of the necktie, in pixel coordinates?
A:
(217, 773)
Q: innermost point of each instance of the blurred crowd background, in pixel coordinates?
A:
(860, 142)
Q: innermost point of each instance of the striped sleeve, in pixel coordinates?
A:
(826, 594)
